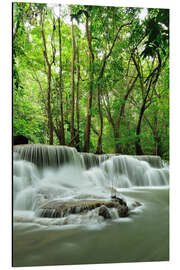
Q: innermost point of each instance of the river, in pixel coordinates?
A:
(87, 238)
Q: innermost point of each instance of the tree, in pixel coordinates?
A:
(116, 98)
(77, 101)
(60, 132)
(105, 58)
(73, 85)
(156, 42)
(91, 79)
(49, 64)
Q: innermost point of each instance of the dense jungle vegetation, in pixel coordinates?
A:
(92, 77)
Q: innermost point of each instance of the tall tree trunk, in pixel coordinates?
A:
(90, 93)
(147, 87)
(49, 76)
(77, 101)
(138, 131)
(61, 133)
(121, 113)
(157, 139)
(142, 110)
(116, 138)
(49, 107)
(73, 88)
(88, 117)
(99, 143)
(116, 123)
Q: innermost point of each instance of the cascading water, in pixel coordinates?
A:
(126, 171)
(48, 156)
(44, 173)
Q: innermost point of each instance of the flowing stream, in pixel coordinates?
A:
(44, 173)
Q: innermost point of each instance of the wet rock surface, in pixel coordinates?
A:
(123, 211)
(56, 209)
(104, 212)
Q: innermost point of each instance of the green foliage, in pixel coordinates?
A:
(143, 38)
(157, 32)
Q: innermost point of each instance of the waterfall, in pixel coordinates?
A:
(129, 171)
(47, 155)
(53, 156)
(42, 172)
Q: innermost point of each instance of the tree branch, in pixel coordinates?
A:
(44, 40)
(125, 99)
(108, 112)
(110, 50)
(114, 41)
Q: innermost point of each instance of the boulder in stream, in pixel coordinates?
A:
(104, 212)
(54, 209)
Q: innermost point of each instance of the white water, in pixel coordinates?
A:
(71, 181)
(43, 173)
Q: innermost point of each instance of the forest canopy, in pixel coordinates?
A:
(92, 77)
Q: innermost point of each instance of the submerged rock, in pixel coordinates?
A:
(136, 204)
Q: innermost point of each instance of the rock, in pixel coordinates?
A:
(119, 200)
(123, 211)
(20, 139)
(49, 213)
(136, 204)
(55, 209)
(103, 211)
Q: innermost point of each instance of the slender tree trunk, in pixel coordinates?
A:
(157, 138)
(90, 93)
(88, 117)
(77, 101)
(50, 122)
(117, 138)
(49, 76)
(158, 150)
(99, 143)
(61, 133)
(146, 87)
(142, 110)
(73, 88)
(121, 113)
(116, 123)
(138, 131)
